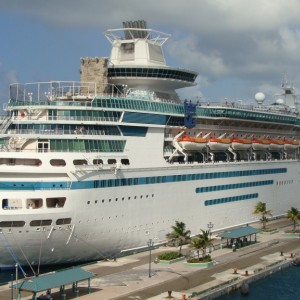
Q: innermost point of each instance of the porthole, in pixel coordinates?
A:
(125, 161)
(34, 223)
(57, 162)
(79, 162)
(12, 224)
(98, 162)
(63, 221)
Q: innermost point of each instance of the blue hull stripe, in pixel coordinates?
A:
(120, 182)
(231, 186)
(230, 199)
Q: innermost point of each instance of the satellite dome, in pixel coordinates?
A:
(280, 101)
(260, 97)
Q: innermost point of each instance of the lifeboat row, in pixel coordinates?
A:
(221, 144)
(192, 143)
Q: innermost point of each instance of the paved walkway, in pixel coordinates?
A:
(128, 277)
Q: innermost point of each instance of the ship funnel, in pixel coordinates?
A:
(135, 34)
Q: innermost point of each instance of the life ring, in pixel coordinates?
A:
(22, 115)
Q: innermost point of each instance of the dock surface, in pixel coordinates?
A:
(128, 277)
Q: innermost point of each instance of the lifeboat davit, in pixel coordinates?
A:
(290, 145)
(192, 143)
(219, 143)
(241, 144)
(260, 144)
(276, 145)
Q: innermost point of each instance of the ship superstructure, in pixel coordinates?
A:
(96, 168)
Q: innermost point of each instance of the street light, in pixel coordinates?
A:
(150, 245)
(17, 266)
(210, 226)
(12, 287)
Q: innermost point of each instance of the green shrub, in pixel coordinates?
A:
(169, 255)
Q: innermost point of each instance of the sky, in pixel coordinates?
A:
(238, 47)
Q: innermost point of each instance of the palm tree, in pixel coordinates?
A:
(179, 234)
(196, 243)
(205, 241)
(294, 215)
(260, 209)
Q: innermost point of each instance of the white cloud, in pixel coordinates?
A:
(255, 41)
(192, 55)
(198, 15)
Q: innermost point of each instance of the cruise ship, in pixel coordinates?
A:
(97, 168)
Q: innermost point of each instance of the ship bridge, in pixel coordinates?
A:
(137, 61)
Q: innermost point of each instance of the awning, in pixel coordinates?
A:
(52, 280)
(238, 232)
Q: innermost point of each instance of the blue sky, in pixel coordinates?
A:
(238, 47)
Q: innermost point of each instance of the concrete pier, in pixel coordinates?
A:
(128, 278)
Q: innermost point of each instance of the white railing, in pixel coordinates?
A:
(53, 90)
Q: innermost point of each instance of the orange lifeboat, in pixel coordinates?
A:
(192, 143)
(276, 144)
(241, 144)
(258, 144)
(219, 143)
(290, 145)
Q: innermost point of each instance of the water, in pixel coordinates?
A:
(282, 285)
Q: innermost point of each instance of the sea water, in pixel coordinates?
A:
(281, 285)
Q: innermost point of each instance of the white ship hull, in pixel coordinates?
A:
(129, 215)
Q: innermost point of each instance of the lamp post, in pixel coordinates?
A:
(150, 245)
(16, 281)
(210, 226)
(12, 287)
